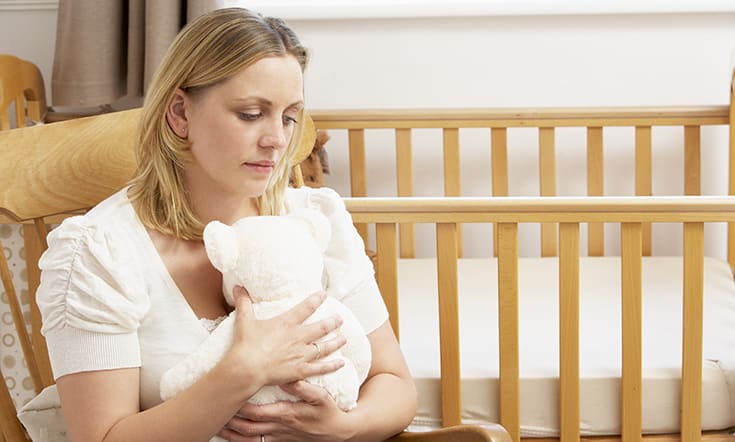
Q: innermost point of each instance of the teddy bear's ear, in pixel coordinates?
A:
(220, 242)
(317, 223)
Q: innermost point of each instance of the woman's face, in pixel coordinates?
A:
(239, 129)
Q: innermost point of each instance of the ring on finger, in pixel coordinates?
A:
(318, 350)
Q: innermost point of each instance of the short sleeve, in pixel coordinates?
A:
(350, 272)
(90, 301)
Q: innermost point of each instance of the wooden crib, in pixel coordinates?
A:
(393, 219)
(58, 172)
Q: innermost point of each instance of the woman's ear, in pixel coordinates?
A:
(176, 114)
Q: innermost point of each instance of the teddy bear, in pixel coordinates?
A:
(280, 261)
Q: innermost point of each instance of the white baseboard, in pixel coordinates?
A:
(28, 5)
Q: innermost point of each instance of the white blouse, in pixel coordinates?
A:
(108, 301)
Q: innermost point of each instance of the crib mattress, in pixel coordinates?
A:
(600, 343)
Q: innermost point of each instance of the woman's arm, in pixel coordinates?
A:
(388, 398)
(104, 405)
(386, 405)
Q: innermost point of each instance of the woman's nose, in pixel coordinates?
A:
(275, 135)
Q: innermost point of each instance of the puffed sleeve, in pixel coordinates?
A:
(90, 299)
(350, 273)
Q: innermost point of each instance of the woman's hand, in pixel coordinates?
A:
(281, 349)
(315, 418)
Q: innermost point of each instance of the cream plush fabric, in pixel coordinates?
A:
(279, 259)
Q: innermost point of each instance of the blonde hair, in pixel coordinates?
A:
(206, 52)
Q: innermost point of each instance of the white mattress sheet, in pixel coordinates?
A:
(600, 342)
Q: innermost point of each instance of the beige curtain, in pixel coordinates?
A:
(109, 49)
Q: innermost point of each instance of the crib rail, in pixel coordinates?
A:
(632, 213)
(546, 120)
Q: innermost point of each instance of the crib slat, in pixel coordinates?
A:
(643, 176)
(358, 171)
(404, 166)
(595, 187)
(547, 181)
(387, 271)
(499, 151)
(446, 249)
(691, 376)
(510, 411)
(451, 162)
(692, 161)
(631, 247)
(569, 331)
(452, 174)
(499, 159)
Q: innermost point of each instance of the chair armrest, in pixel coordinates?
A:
(457, 433)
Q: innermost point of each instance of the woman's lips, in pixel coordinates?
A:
(260, 166)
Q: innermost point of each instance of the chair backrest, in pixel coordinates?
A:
(22, 101)
(21, 89)
(48, 172)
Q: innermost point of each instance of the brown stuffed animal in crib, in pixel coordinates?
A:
(316, 165)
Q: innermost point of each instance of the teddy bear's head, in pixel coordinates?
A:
(273, 257)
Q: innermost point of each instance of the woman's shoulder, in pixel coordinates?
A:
(90, 271)
(110, 226)
(108, 214)
(115, 207)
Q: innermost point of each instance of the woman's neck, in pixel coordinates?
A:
(226, 208)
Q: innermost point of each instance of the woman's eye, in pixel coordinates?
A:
(289, 120)
(250, 117)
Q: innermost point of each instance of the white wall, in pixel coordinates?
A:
(28, 30)
(494, 61)
(519, 61)
(524, 61)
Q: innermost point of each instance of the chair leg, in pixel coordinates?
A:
(12, 429)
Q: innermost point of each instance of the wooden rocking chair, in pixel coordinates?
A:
(48, 172)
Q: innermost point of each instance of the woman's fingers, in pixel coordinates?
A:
(323, 366)
(307, 392)
(243, 303)
(325, 348)
(317, 331)
(291, 349)
(301, 311)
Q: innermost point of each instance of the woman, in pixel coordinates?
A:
(127, 290)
